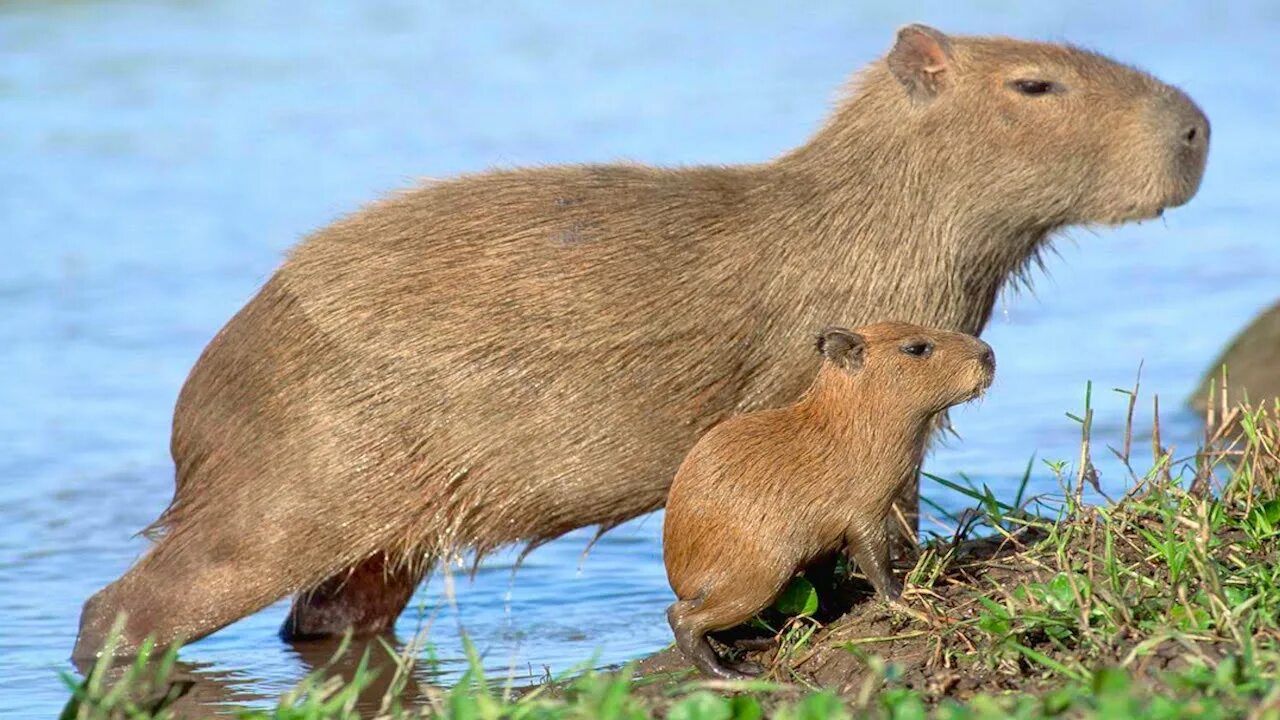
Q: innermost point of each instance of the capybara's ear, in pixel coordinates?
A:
(842, 347)
(921, 60)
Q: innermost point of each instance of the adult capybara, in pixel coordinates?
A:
(763, 495)
(507, 356)
(1252, 360)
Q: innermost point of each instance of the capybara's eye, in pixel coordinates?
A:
(1035, 87)
(918, 348)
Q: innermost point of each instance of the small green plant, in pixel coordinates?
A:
(798, 599)
(140, 690)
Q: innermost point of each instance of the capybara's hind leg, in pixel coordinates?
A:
(181, 591)
(365, 600)
(690, 623)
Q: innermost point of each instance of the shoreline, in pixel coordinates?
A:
(1163, 603)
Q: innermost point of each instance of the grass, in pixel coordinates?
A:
(1164, 603)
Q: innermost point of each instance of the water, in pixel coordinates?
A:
(156, 160)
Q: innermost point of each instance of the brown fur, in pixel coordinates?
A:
(1252, 362)
(506, 356)
(763, 495)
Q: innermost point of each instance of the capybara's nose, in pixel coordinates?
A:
(1188, 131)
(1195, 133)
(1186, 123)
(1181, 131)
(987, 357)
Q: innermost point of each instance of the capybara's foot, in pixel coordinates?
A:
(710, 664)
(366, 600)
(891, 588)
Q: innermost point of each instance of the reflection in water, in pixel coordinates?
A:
(157, 158)
(385, 665)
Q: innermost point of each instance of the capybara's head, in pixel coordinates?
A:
(1036, 134)
(925, 368)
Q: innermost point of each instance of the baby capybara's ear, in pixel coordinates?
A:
(842, 347)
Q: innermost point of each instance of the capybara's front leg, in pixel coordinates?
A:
(868, 545)
(365, 600)
(183, 589)
(904, 541)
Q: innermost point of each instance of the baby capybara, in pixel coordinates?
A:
(764, 494)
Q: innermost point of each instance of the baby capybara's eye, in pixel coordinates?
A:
(918, 348)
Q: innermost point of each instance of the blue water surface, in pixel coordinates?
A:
(158, 158)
